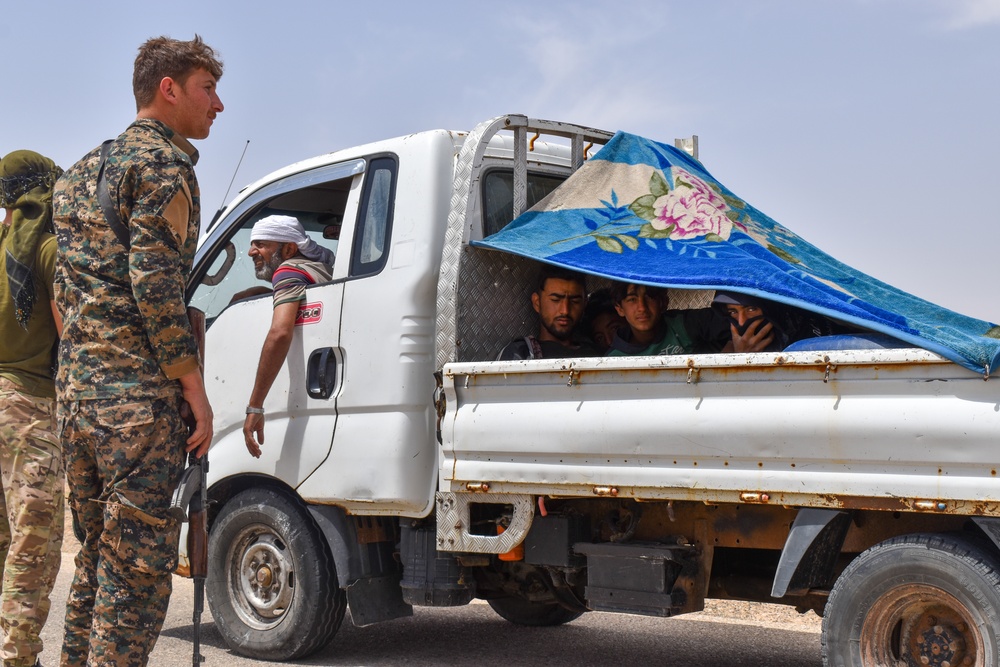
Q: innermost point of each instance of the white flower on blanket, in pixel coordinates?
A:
(691, 209)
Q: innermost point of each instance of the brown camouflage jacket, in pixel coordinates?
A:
(125, 328)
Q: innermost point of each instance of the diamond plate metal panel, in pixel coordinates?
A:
(453, 522)
(494, 302)
(684, 299)
(467, 165)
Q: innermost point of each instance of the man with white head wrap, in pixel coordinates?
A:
(285, 255)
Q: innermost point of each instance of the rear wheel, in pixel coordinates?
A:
(537, 614)
(916, 600)
(272, 584)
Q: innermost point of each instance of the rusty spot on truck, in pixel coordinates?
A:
(887, 504)
(930, 505)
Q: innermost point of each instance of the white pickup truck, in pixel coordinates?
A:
(401, 466)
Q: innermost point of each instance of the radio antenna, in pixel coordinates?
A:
(231, 181)
(245, 146)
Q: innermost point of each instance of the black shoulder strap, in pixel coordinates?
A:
(104, 199)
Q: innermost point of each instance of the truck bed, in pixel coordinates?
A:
(898, 429)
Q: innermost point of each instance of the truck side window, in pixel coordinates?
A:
(371, 242)
(230, 276)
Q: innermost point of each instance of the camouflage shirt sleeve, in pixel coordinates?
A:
(159, 226)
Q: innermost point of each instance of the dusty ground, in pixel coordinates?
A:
(766, 615)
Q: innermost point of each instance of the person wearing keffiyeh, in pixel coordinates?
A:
(285, 255)
(31, 460)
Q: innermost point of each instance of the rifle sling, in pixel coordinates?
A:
(104, 199)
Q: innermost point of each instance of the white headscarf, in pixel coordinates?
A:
(286, 229)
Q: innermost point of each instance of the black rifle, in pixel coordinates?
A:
(190, 503)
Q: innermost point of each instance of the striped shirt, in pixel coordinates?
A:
(291, 278)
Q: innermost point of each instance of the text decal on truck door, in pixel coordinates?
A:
(310, 313)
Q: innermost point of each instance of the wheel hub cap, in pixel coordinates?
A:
(262, 577)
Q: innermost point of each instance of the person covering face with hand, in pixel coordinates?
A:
(750, 328)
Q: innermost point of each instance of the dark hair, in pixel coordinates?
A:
(549, 271)
(598, 302)
(161, 57)
(619, 291)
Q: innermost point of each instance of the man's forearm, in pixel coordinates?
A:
(272, 358)
(274, 351)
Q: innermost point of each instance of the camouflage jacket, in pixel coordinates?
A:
(125, 327)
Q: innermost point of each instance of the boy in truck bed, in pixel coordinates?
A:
(652, 329)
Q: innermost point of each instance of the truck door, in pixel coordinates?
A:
(301, 407)
(384, 453)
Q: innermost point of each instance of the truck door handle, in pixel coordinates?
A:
(321, 373)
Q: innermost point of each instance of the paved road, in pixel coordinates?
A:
(473, 636)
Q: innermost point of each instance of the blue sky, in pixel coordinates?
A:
(869, 127)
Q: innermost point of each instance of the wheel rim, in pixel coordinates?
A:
(917, 625)
(261, 576)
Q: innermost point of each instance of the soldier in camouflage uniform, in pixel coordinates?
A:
(128, 358)
(31, 507)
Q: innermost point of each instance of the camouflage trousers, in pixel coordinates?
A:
(31, 521)
(123, 459)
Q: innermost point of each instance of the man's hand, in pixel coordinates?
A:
(756, 338)
(193, 389)
(253, 425)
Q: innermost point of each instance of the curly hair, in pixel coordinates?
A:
(161, 57)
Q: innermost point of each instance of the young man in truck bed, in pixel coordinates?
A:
(652, 329)
(559, 299)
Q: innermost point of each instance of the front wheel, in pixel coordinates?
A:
(916, 600)
(272, 584)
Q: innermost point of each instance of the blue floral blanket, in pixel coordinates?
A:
(648, 213)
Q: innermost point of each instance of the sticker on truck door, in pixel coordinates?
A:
(310, 313)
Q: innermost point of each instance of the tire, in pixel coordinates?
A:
(916, 600)
(272, 583)
(534, 614)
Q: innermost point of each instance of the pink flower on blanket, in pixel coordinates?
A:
(691, 210)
